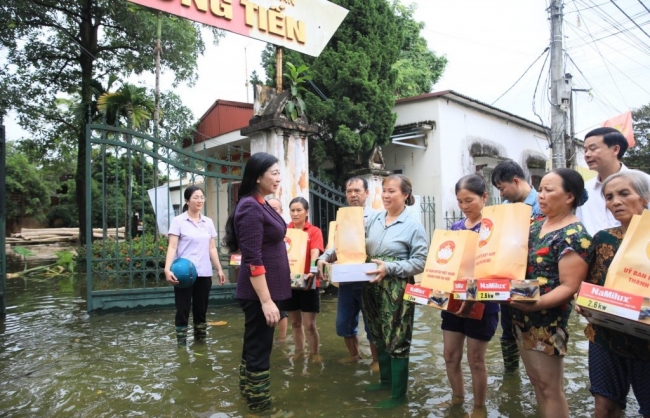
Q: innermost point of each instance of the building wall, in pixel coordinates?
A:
(463, 138)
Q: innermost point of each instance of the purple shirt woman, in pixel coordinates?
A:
(256, 230)
(191, 236)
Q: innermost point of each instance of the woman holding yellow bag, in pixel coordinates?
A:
(617, 360)
(471, 193)
(558, 249)
(396, 241)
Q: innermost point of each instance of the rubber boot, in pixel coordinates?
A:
(181, 336)
(384, 373)
(510, 353)
(258, 391)
(200, 331)
(400, 379)
(242, 378)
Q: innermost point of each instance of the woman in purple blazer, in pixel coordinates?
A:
(256, 230)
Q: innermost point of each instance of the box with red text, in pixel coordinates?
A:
(440, 300)
(617, 310)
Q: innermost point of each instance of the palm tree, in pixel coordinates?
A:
(132, 106)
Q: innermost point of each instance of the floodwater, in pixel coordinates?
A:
(58, 361)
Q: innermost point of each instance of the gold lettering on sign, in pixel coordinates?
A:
(262, 19)
(249, 12)
(202, 5)
(271, 20)
(276, 23)
(222, 8)
(296, 30)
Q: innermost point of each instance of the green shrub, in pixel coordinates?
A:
(132, 263)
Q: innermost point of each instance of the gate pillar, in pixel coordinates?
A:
(272, 132)
(374, 174)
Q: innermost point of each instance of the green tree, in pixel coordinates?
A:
(28, 195)
(58, 47)
(418, 68)
(375, 56)
(639, 156)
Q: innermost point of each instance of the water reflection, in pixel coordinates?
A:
(55, 360)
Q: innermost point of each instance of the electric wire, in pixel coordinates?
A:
(546, 131)
(522, 76)
(644, 6)
(631, 20)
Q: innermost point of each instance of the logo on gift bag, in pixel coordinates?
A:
(485, 232)
(287, 242)
(445, 252)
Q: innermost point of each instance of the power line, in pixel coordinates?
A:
(631, 20)
(522, 76)
(548, 138)
(644, 6)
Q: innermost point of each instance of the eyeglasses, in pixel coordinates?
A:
(199, 198)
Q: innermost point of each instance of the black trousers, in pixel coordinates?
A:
(194, 297)
(258, 337)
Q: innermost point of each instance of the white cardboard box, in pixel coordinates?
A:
(341, 273)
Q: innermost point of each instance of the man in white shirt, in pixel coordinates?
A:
(604, 149)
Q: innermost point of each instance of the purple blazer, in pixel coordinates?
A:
(260, 232)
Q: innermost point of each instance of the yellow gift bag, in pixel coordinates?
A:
(451, 257)
(630, 268)
(350, 236)
(331, 231)
(502, 250)
(296, 241)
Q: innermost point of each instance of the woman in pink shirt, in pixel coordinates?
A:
(191, 236)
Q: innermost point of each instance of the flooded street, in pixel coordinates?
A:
(58, 361)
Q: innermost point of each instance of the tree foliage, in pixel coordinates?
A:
(374, 57)
(27, 193)
(66, 47)
(639, 156)
(418, 68)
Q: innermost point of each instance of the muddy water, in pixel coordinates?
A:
(57, 361)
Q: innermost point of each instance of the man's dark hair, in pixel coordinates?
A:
(361, 179)
(506, 171)
(611, 137)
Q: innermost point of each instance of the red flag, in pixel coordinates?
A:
(623, 123)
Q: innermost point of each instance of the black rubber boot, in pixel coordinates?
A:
(510, 353)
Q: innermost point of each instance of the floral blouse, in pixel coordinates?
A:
(606, 243)
(546, 330)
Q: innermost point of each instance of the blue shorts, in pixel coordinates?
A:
(347, 311)
(612, 375)
(482, 330)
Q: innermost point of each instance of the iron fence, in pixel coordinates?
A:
(325, 199)
(428, 215)
(134, 187)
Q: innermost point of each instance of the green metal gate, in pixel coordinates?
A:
(3, 216)
(127, 172)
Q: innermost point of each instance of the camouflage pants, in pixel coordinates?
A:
(389, 316)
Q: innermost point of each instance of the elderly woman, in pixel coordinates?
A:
(559, 246)
(616, 360)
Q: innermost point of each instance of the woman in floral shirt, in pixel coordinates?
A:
(617, 360)
(558, 248)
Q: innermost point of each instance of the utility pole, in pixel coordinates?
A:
(571, 143)
(559, 98)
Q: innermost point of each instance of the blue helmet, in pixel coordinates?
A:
(185, 272)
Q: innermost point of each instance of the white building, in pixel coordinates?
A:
(440, 137)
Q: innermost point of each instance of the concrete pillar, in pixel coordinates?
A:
(272, 132)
